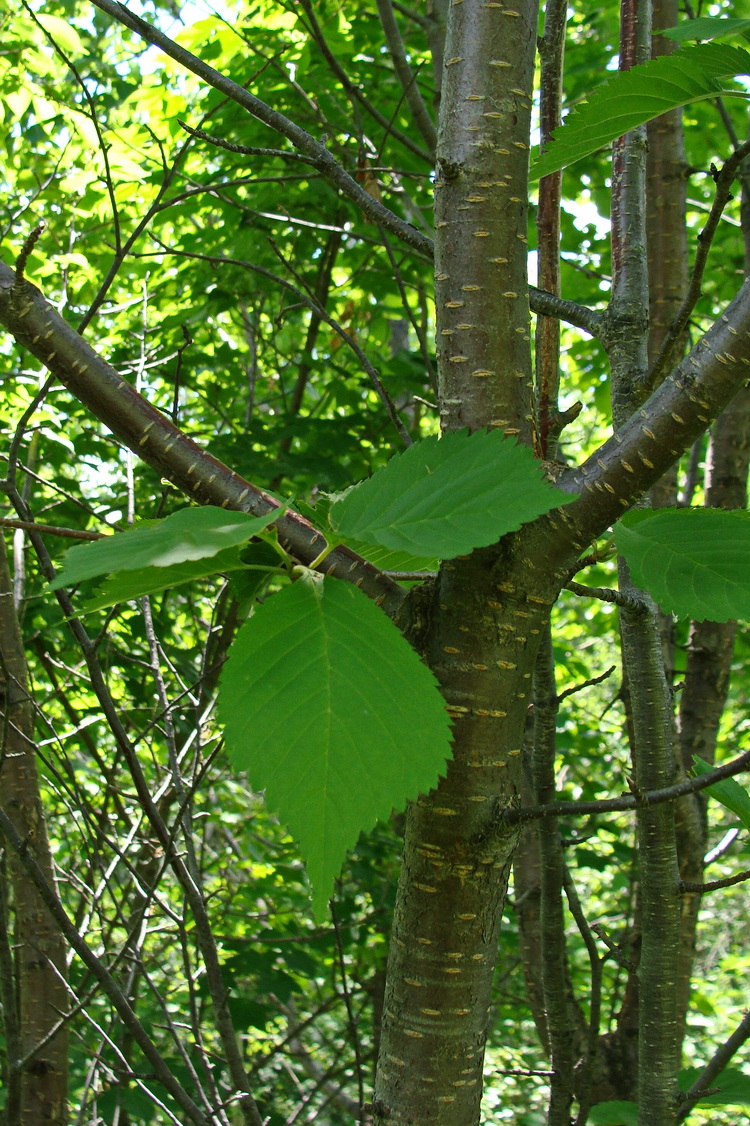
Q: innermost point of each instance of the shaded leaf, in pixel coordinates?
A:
(444, 497)
(131, 1099)
(331, 712)
(728, 792)
(614, 1114)
(706, 27)
(388, 560)
(734, 1084)
(694, 561)
(186, 535)
(633, 97)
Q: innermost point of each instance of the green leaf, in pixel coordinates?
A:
(633, 97)
(444, 497)
(706, 27)
(614, 1114)
(124, 586)
(330, 711)
(186, 535)
(381, 557)
(735, 1087)
(387, 560)
(728, 792)
(694, 561)
(132, 1099)
(261, 561)
(63, 32)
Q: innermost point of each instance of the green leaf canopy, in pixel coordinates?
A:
(189, 534)
(331, 712)
(694, 561)
(444, 497)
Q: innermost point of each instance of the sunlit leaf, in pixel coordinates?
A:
(189, 534)
(62, 32)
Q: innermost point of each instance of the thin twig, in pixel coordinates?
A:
(337, 327)
(97, 968)
(94, 118)
(351, 1019)
(614, 949)
(583, 1084)
(586, 683)
(245, 150)
(50, 529)
(302, 140)
(194, 894)
(15, 444)
(606, 594)
(353, 92)
(313, 304)
(714, 885)
(615, 805)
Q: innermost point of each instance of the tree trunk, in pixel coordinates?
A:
(479, 626)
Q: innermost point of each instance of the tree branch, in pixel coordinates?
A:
(145, 430)
(614, 805)
(667, 424)
(714, 885)
(590, 320)
(321, 158)
(406, 76)
(353, 91)
(723, 180)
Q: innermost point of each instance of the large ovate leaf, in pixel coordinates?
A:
(695, 562)
(728, 793)
(633, 97)
(444, 497)
(382, 557)
(186, 535)
(330, 711)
